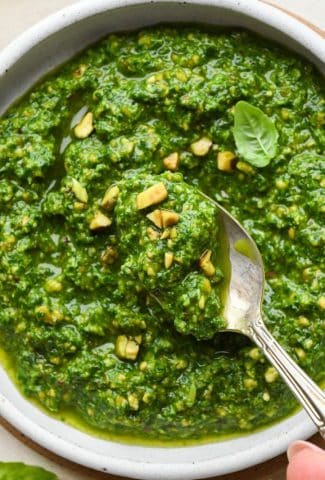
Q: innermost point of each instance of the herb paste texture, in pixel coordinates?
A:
(110, 264)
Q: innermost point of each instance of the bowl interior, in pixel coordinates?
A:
(21, 64)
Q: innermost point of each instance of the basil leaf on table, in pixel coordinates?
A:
(255, 134)
(20, 471)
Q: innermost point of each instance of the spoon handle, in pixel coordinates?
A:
(307, 392)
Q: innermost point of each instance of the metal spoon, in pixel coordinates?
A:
(243, 314)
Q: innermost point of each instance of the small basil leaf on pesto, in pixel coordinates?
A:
(255, 134)
(16, 470)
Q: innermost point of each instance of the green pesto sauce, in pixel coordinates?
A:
(99, 326)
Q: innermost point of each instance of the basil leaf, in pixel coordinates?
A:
(20, 471)
(255, 135)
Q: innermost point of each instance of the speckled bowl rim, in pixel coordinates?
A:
(134, 461)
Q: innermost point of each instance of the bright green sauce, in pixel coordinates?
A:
(71, 417)
(109, 320)
(244, 247)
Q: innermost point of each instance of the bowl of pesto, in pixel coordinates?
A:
(111, 269)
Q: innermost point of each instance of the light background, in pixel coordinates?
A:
(15, 17)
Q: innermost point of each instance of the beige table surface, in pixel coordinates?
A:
(16, 16)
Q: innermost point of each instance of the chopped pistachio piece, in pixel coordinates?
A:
(255, 354)
(133, 401)
(321, 302)
(206, 265)
(171, 162)
(170, 243)
(55, 360)
(291, 233)
(110, 197)
(300, 353)
(168, 260)
(143, 366)
(127, 348)
(173, 233)
(153, 195)
(156, 218)
(79, 206)
(266, 397)
(152, 234)
(165, 234)
(146, 397)
(25, 220)
(308, 343)
(303, 321)
(201, 147)
(79, 191)
(99, 221)
(250, 383)
(178, 260)
(207, 286)
(80, 71)
(281, 184)
(271, 375)
(225, 161)
(169, 218)
(53, 285)
(151, 272)
(121, 401)
(202, 301)
(109, 255)
(49, 316)
(85, 126)
(245, 167)
(163, 218)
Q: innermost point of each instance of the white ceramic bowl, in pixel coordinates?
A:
(45, 46)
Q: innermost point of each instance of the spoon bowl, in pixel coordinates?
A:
(246, 283)
(243, 314)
